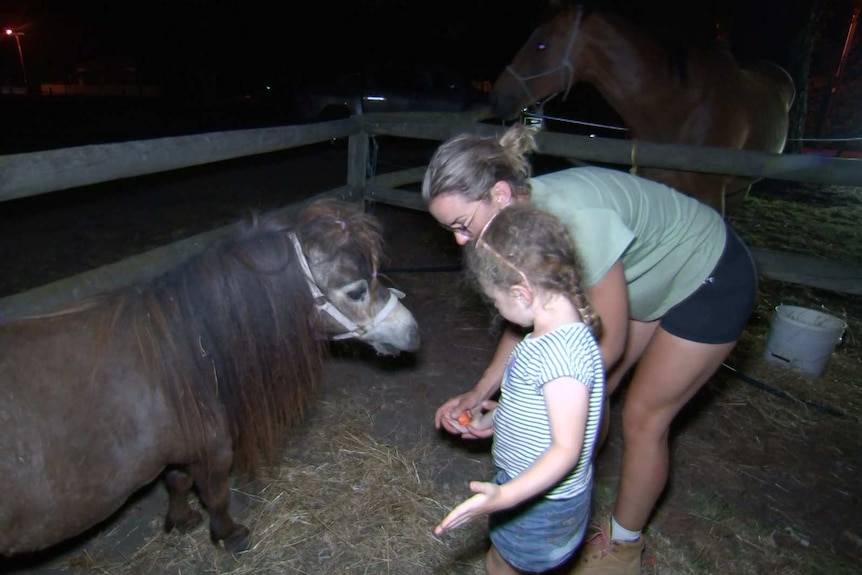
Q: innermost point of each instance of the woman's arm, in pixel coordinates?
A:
(447, 414)
(609, 298)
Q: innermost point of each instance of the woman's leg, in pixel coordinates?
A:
(669, 373)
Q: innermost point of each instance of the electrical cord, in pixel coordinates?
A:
(781, 393)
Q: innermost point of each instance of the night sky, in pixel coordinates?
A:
(251, 40)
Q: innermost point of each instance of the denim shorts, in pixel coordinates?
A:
(540, 533)
(720, 308)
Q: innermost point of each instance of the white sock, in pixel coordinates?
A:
(620, 533)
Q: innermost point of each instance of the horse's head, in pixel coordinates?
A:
(343, 248)
(541, 68)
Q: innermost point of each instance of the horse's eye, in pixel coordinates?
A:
(357, 294)
(541, 46)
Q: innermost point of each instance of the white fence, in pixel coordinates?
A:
(54, 171)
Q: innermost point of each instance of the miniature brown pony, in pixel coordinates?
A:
(713, 102)
(194, 374)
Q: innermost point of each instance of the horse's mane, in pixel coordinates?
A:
(232, 331)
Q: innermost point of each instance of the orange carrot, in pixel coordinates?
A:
(465, 417)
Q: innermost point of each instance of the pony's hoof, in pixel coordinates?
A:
(183, 524)
(239, 540)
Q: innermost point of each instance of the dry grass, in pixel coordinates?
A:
(805, 218)
(730, 511)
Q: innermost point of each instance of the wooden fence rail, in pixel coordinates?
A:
(53, 171)
(793, 167)
(23, 175)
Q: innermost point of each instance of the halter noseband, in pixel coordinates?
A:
(564, 64)
(322, 303)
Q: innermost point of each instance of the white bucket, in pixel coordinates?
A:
(803, 339)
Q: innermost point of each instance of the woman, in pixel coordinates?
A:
(673, 285)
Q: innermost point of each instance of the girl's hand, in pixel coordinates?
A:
(478, 505)
(481, 423)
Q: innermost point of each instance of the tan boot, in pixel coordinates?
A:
(600, 555)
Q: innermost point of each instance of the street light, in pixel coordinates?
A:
(11, 32)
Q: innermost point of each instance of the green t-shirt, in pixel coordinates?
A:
(669, 243)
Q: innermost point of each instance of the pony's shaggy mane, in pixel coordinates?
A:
(232, 331)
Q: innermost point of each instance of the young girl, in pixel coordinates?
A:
(546, 422)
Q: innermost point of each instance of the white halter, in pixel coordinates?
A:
(323, 304)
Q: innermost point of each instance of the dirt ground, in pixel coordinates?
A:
(761, 483)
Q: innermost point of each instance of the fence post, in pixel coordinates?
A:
(357, 163)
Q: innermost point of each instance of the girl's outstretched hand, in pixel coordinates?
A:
(480, 504)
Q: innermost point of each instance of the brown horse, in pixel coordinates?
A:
(713, 101)
(194, 374)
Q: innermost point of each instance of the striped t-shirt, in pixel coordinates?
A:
(522, 431)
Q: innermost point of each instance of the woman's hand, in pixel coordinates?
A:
(448, 413)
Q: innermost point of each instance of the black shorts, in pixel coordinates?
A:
(719, 309)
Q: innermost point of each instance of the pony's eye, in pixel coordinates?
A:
(541, 46)
(357, 294)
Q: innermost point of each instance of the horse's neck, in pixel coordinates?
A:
(626, 67)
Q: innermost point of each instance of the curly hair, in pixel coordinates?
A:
(525, 244)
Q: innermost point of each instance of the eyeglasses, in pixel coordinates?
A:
(462, 229)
